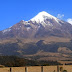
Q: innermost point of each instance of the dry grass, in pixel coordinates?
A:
(65, 62)
(46, 40)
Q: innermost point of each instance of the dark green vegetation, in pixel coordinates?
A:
(64, 70)
(13, 61)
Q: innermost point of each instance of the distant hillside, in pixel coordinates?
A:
(39, 50)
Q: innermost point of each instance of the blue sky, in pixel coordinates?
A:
(12, 11)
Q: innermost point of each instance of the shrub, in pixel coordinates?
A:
(64, 70)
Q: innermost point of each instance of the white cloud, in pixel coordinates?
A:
(69, 20)
(60, 16)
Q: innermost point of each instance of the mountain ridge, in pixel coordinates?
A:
(49, 37)
(43, 24)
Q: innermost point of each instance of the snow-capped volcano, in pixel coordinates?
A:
(42, 25)
(40, 17)
(37, 37)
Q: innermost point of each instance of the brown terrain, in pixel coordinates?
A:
(60, 68)
(50, 39)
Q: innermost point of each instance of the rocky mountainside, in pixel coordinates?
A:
(42, 37)
(42, 25)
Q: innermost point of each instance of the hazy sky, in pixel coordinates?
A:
(12, 11)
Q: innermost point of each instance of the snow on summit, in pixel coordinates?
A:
(40, 17)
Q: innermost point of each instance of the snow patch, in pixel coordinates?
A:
(69, 20)
(40, 17)
(6, 30)
(28, 28)
(20, 26)
(10, 27)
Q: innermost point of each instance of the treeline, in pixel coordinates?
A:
(13, 61)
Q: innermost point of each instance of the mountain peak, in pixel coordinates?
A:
(40, 17)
